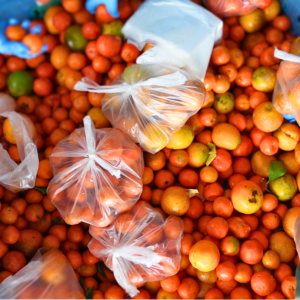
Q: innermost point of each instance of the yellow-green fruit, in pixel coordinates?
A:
(182, 138)
(284, 187)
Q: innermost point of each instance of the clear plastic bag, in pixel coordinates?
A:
(149, 102)
(286, 95)
(97, 175)
(48, 275)
(139, 246)
(182, 32)
(230, 8)
(16, 177)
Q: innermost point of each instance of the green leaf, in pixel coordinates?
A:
(56, 221)
(101, 270)
(277, 169)
(225, 185)
(211, 154)
(89, 293)
(82, 284)
(41, 190)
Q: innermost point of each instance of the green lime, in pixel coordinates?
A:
(20, 83)
(113, 28)
(224, 103)
(74, 38)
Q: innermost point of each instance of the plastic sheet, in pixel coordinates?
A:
(183, 33)
(149, 102)
(230, 8)
(286, 95)
(48, 275)
(97, 175)
(16, 177)
(140, 246)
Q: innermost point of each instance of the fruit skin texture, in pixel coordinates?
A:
(252, 22)
(281, 243)
(182, 138)
(264, 79)
(204, 256)
(289, 220)
(284, 187)
(175, 201)
(226, 136)
(247, 197)
(263, 283)
(266, 117)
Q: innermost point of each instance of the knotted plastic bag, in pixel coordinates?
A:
(16, 177)
(149, 102)
(286, 95)
(97, 175)
(182, 32)
(48, 275)
(230, 8)
(139, 246)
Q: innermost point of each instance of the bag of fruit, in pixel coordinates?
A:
(286, 95)
(48, 275)
(18, 130)
(139, 246)
(97, 175)
(182, 32)
(230, 8)
(149, 102)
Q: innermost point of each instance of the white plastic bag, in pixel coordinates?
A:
(139, 246)
(286, 95)
(16, 177)
(48, 275)
(149, 102)
(97, 175)
(182, 32)
(230, 8)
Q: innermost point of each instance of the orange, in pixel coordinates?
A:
(281, 243)
(288, 136)
(260, 164)
(98, 117)
(204, 256)
(226, 136)
(175, 201)
(290, 162)
(180, 139)
(247, 197)
(48, 18)
(288, 287)
(263, 283)
(266, 117)
(253, 21)
(33, 42)
(289, 220)
(54, 260)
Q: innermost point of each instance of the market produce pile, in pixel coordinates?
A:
(142, 181)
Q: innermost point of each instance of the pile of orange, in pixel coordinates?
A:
(231, 173)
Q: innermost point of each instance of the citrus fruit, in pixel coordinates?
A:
(204, 256)
(182, 138)
(289, 220)
(226, 136)
(264, 79)
(74, 38)
(284, 187)
(20, 83)
(247, 197)
(175, 201)
(253, 21)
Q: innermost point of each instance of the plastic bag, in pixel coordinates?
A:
(139, 246)
(230, 8)
(286, 95)
(183, 33)
(48, 275)
(97, 175)
(16, 177)
(149, 102)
